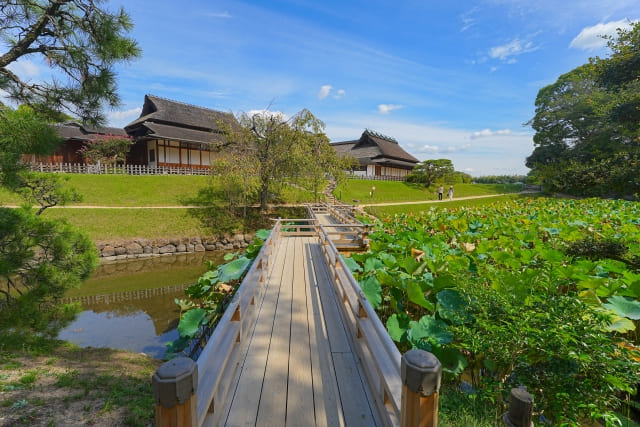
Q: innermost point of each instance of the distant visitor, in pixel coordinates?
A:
(440, 192)
(450, 193)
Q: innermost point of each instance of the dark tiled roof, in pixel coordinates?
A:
(343, 147)
(182, 134)
(374, 148)
(166, 111)
(73, 130)
(388, 147)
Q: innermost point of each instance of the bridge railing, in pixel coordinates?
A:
(212, 375)
(404, 387)
(379, 355)
(349, 233)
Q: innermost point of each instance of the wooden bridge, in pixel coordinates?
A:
(300, 345)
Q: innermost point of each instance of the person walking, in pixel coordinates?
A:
(440, 192)
(450, 193)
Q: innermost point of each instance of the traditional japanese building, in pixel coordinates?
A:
(174, 134)
(378, 155)
(74, 135)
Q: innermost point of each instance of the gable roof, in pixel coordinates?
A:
(375, 148)
(165, 118)
(75, 130)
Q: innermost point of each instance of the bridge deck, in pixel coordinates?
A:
(299, 368)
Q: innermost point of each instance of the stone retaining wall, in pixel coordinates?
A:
(143, 248)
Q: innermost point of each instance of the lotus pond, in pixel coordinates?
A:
(539, 293)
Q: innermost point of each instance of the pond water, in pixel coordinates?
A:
(129, 304)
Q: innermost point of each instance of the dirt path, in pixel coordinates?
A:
(430, 201)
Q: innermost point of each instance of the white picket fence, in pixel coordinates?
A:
(115, 169)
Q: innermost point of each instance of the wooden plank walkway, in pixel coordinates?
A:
(299, 368)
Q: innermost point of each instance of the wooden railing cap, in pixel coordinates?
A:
(520, 409)
(175, 382)
(421, 372)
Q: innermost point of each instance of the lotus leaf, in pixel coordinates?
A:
(190, 322)
(229, 256)
(263, 234)
(372, 264)
(452, 307)
(352, 265)
(416, 295)
(398, 326)
(624, 307)
(372, 290)
(234, 270)
(621, 325)
(453, 362)
(428, 329)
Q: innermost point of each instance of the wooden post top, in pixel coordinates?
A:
(520, 409)
(175, 382)
(421, 372)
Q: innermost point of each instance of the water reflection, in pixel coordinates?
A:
(130, 305)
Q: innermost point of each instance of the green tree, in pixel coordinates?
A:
(428, 171)
(589, 121)
(40, 259)
(282, 148)
(321, 162)
(107, 149)
(79, 40)
(620, 76)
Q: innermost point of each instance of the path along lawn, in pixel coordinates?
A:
(140, 191)
(394, 191)
(384, 211)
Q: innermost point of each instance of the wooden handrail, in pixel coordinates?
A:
(405, 388)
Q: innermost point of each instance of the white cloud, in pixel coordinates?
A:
(127, 115)
(224, 14)
(324, 91)
(386, 108)
(467, 20)
(431, 149)
(590, 38)
(493, 154)
(25, 69)
(339, 94)
(508, 51)
(488, 132)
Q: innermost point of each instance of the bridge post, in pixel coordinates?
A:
(175, 385)
(421, 374)
(520, 409)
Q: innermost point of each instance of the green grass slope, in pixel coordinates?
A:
(394, 191)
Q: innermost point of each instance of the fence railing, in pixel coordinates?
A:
(377, 177)
(103, 169)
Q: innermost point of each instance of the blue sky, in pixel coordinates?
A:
(453, 80)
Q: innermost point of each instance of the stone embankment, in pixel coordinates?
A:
(144, 248)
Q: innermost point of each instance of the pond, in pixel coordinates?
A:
(129, 305)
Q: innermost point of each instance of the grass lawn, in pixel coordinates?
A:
(393, 191)
(118, 224)
(383, 211)
(129, 190)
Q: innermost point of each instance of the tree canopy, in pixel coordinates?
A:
(589, 121)
(287, 150)
(428, 171)
(80, 42)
